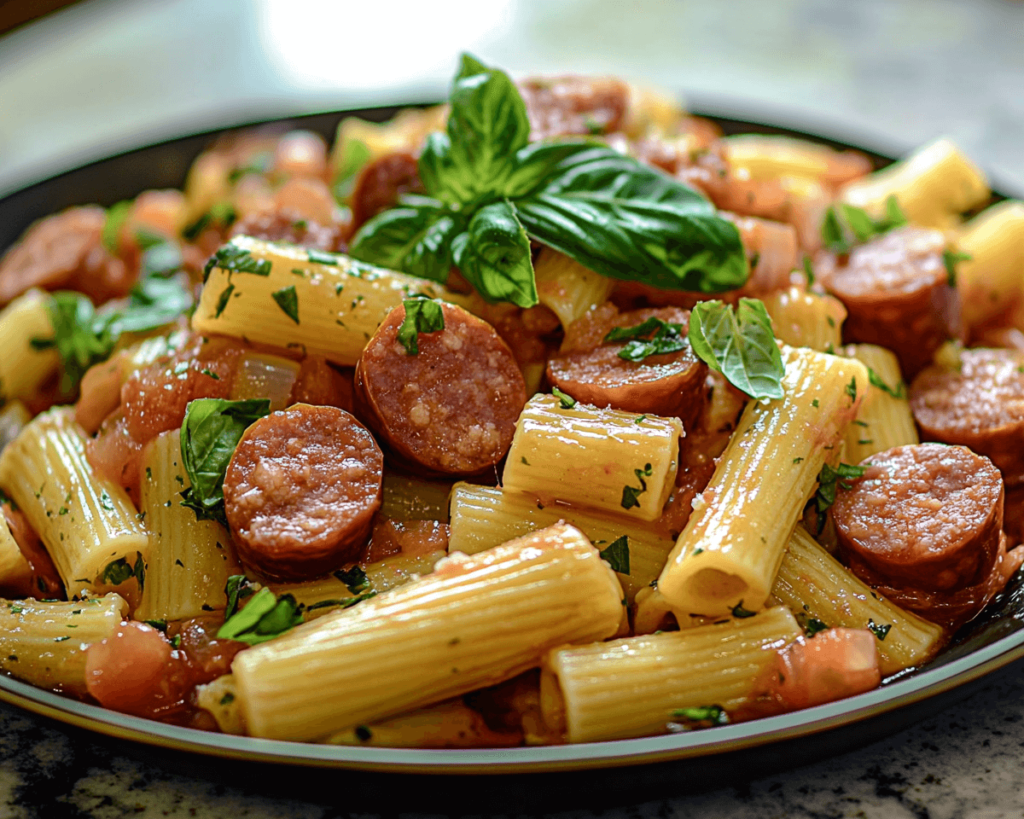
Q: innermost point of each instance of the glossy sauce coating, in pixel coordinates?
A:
(451, 408)
(926, 517)
(980, 406)
(301, 490)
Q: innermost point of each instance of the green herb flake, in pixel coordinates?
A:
(564, 401)
(227, 699)
(808, 271)
(159, 625)
(706, 716)
(363, 734)
(62, 639)
(234, 259)
(288, 300)
(263, 618)
(617, 555)
(851, 389)
(630, 494)
(237, 589)
(176, 641)
(651, 337)
(830, 480)
(421, 316)
(321, 257)
(741, 613)
(810, 625)
(880, 631)
(950, 258)
(223, 299)
(355, 579)
(117, 215)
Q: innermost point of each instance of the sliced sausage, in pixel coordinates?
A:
(591, 370)
(897, 294)
(452, 407)
(301, 491)
(563, 106)
(926, 516)
(380, 184)
(65, 251)
(289, 226)
(980, 406)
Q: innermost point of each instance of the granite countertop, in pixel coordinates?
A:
(106, 75)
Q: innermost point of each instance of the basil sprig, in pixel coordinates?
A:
(653, 336)
(850, 225)
(263, 618)
(739, 344)
(489, 190)
(209, 434)
(421, 316)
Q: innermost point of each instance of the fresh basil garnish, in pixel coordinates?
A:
(849, 225)
(488, 190)
(739, 344)
(120, 571)
(421, 316)
(209, 434)
(235, 259)
(652, 336)
(263, 618)
(830, 480)
(617, 555)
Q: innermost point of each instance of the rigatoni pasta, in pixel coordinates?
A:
(25, 367)
(884, 419)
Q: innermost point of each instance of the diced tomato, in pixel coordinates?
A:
(408, 537)
(114, 453)
(124, 671)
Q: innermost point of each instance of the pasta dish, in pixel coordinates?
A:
(546, 415)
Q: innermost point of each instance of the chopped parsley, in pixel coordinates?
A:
(949, 260)
(808, 270)
(355, 579)
(705, 716)
(121, 571)
(566, 401)
(288, 300)
(223, 299)
(264, 618)
(237, 589)
(880, 631)
(741, 613)
(234, 259)
(810, 625)
(630, 494)
(850, 225)
(851, 389)
(899, 392)
(159, 625)
(321, 257)
(829, 480)
(617, 555)
(652, 336)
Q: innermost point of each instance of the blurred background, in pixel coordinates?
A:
(95, 77)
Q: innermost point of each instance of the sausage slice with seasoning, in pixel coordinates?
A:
(446, 399)
(897, 292)
(301, 491)
(924, 524)
(980, 405)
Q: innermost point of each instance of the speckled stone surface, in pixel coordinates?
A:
(119, 74)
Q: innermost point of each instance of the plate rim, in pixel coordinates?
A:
(925, 684)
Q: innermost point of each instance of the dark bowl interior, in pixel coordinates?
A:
(519, 779)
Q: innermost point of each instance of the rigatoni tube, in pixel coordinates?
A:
(86, 522)
(602, 458)
(475, 621)
(319, 303)
(191, 560)
(816, 586)
(630, 687)
(483, 517)
(23, 368)
(803, 319)
(734, 541)
(992, 277)
(567, 288)
(884, 419)
(44, 643)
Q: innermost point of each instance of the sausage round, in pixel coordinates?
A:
(562, 106)
(897, 292)
(981, 406)
(591, 370)
(301, 490)
(289, 226)
(380, 184)
(925, 517)
(450, 409)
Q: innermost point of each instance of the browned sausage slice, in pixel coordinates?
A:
(380, 184)
(926, 517)
(289, 226)
(897, 293)
(591, 370)
(301, 491)
(562, 106)
(451, 408)
(980, 406)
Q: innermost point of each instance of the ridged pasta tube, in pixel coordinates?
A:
(190, 560)
(409, 498)
(15, 570)
(883, 419)
(44, 643)
(933, 185)
(23, 369)
(813, 584)
(606, 459)
(85, 521)
(483, 517)
(992, 278)
(735, 539)
(803, 319)
(299, 302)
(475, 621)
(319, 594)
(630, 687)
(567, 288)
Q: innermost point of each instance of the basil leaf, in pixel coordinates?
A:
(421, 316)
(153, 303)
(438, 173)
(617, 555)
(652, 336)
(235, 259)
(850, 225)
(539, 162)
(263, 618)
(210, 432)
(355, 579)
(830, 480)
(950, 258)
(627, 221)
(416, 241)
(221, 216)
(486, 126)
(494, 256)
(739, 344)
(117, 215)
(238, 588)
(80, 336)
